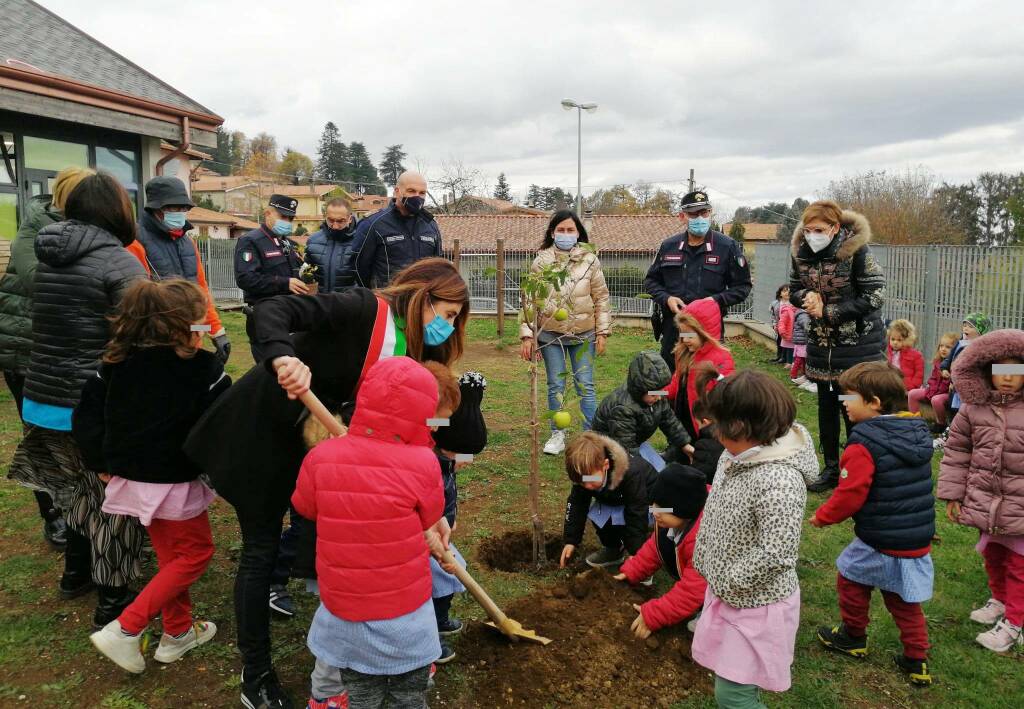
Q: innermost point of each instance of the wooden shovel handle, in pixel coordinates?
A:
(317, 408)
(476, 590)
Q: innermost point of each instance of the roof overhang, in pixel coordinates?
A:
(45, 94)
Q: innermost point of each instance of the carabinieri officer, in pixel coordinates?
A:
(267, 262)
(698, 263)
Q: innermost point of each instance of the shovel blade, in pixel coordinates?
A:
(515, 631)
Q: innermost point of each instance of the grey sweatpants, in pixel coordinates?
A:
(404, 691)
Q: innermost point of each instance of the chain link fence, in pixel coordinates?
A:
(933, 287)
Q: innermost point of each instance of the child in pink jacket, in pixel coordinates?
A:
(982, 475)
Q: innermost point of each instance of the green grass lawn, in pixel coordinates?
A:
(46, 659)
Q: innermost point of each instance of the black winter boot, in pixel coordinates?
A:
(77, 578)
(828, 480)
(55, 532)
(112, 601)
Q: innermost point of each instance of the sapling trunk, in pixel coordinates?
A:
(539, 552)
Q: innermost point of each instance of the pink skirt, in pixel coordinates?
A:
(748, 645)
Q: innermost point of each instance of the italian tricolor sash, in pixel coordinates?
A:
(387, 339)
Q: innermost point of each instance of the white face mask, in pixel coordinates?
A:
(818, 241)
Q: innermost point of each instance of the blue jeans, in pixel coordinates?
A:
(581, 357)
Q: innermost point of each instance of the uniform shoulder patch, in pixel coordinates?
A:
(247, 256)
(844, 473)
(741, 262)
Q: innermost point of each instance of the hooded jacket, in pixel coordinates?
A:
(886, 485)
(983, 461)
(175, 256)
(83, 272)
(373, 492)
(706, 312)
(749, 539)
(584, 294)
(330, 250)
(801, 324)
(17, 284)
(686, 596)
(852, 288)
(627, 484)
(911, 366)
(622, 415)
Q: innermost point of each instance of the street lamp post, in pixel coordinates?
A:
(568, 104)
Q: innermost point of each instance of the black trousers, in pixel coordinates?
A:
(669, 338)
(300, 531)
(261, 535)
(610, 535)
(250, 333)
(16, 383)
(830, 410)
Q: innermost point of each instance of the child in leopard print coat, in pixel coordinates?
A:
(749, 540)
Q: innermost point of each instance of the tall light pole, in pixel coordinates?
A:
(568, 104)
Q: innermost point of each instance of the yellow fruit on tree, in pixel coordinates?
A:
(562, 419)
(561, 315)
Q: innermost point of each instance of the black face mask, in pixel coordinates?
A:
(413, 205)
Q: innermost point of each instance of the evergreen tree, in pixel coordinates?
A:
(330, 155)
(534, 197)
(222, 154)
(391, 164)
(501, 190)
(239, 151)
(361, 169)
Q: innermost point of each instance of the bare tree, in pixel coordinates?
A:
(455, 186)
(902, 207)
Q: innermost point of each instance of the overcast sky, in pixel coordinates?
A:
(765, 100)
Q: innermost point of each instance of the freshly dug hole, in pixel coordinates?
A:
(513, 551)
(593, 661)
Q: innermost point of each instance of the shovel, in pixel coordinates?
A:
(499, 621)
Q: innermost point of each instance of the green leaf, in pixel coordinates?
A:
(490, 272)
(645, 296)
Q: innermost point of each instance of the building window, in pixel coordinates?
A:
(8, 187)
(54, 155)
(204, 232)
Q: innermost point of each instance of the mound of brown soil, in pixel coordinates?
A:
(513, 551)
(594, 661)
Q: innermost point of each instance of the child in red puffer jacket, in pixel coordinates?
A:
(679, 494)
(375, 494)
(700, 334)
(902, 355)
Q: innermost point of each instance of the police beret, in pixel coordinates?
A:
(285, 205)
(681, 488)
(466, 431)
(695, 200)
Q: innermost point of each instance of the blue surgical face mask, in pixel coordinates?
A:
(565, 242)
(698, 226)
(437, 330)
(174, 220)
(282, 227)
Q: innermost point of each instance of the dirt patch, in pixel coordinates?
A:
(513, 551)
(594, 659)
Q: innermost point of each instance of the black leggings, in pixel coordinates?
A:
(16, 383)
(830, 410)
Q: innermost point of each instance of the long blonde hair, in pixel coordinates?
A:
(682, 353)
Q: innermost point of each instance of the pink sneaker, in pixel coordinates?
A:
(990, 613)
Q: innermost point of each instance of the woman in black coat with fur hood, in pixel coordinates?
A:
(836, 279)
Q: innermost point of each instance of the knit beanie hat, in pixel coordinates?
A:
(682, 488)
(466, 431)
(980, 321)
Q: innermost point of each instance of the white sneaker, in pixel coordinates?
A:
(939, 443)
(692, 624)
(555, 444)
(172, 648)
(649, 581)
(809, 386)
(990, 613)
(123, 650)
(799, 381)
(1002, 637)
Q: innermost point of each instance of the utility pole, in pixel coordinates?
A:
(691, 181)
(568, 105)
